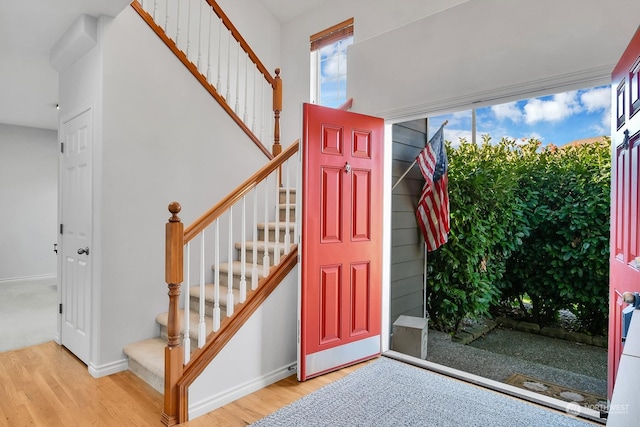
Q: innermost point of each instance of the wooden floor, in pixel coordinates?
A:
(46, 385)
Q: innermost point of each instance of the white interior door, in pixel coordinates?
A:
(75, 187)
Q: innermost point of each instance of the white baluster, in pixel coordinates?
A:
(188, 29)
(230, 303)
(246, 89)
(166, 17)
(186, 342)
(219, 55)
(287, 206)
(178, 25)
(238, 79)
(202, 326)
(265, 258)
(243, 252)
(216, 279)
(255, 91)
(200, 37)
(296, 235)
(155, 10)
(276, 251)
(254, 270)
(209, 47)
(262, 121)
(228, 98)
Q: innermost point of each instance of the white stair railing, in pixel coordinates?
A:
(211, 255)
(203, 37)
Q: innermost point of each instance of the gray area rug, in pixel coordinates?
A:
(390, 393)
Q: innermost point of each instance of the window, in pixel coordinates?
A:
(559, 119)
(329, 64)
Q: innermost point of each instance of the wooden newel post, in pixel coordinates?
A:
(277, 108)
(173, 354)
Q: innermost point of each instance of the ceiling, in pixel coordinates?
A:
(28, 31)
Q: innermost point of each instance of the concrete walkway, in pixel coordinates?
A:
(504, 352)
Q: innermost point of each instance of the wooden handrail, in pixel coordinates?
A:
(208, 217)
(243, 43)
(229, 327)
(346, 105)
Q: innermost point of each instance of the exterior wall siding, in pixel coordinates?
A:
(407, 247)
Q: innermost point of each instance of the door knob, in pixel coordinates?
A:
(83, 251)
(347, 168)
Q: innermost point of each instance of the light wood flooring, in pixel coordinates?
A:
(46, 385)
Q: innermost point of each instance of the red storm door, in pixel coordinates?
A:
(624, 270)
(341, 259)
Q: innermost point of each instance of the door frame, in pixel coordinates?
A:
(92, 329)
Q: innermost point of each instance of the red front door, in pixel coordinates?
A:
(341, 258)
(624, 273)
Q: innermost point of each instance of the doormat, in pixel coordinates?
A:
(568, 394)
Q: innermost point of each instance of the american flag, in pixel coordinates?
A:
(433, 207)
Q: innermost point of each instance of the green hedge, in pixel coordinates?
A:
(526, 223)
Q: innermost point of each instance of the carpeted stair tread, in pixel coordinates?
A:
(194, 319)
(237, 266)
(272, 225)
(260, 245)
(146, 360)
(194, 291)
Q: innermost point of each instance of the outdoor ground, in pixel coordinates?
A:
(503, 352)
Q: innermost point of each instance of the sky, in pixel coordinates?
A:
(557, 119)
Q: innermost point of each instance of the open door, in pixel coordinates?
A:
(624, 270)
(341, 258)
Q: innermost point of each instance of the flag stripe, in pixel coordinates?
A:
(433, 207)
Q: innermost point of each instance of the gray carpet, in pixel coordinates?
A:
(390, 393)
(28, 313)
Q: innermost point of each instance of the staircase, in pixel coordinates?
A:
(146, 358)
(222, 297)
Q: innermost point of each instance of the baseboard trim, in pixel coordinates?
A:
(214, 402)
(109, 368)
(29, 278)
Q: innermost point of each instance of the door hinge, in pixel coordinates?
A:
(60, 309)
(61, 228)
(62, 147)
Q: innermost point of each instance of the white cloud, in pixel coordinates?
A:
(454, 135)
(509, 111)
(334, 60)
(596, 99)
(558, 108)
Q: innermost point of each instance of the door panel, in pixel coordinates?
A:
(340, 295)
(624, 265)
(76, 222)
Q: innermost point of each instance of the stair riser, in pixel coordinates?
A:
(194, 340)
(224, 279)
(260, 257)
(292, 213)
(208, 306)
(272, 234)
(283, 196)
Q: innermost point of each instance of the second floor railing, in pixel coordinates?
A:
(203, 38)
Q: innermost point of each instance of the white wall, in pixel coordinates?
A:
(371, 18)
(490, 51)
(259, 354)
(28, 190)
